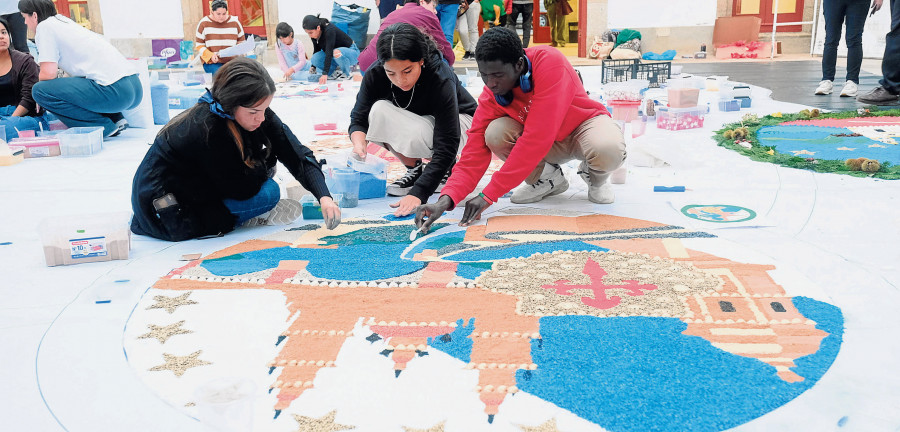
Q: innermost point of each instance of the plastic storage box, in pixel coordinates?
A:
(42, 146)
(312, 209)
(343, 181)
(745, 101)
(80, 141)
(625, 110)
(680, 118)
(625, 91)
(185, 98)
(372, 176)
(728, 105)
(87, 238)
(156, 62)
(683, 97)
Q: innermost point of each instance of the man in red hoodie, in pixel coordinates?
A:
(535, 117)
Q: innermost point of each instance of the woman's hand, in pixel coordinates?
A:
(360, 151)
(474, 208)
(876, 6)
(331, 212)
(215, 58)
(336, 53)
(323, 79)
(406, 205)
(433, 212)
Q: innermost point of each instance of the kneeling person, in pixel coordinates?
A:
(535, 117)
(411, 103)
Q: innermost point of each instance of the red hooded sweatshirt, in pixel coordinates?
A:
(557, 105)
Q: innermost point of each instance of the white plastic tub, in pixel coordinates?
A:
(85, 238)
(80, 141)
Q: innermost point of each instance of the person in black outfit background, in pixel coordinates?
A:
(210, 169)
(412, 103)
(334, 52)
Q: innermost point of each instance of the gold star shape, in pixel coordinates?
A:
(802, 152)
(180, 364)
(171, 303)
(875, 146)
(436, 428)
(322, 424)
(845, 148)
(547, 426)
(163, 333)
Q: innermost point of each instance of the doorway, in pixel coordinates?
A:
(77, 10)
(788, 11)
(575, 26)
(251, 14)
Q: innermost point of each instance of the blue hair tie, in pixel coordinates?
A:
(214, 106)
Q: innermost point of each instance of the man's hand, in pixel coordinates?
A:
(323, 79)
(331, 212)
(406, 205)
(433, 212)
(474, 207)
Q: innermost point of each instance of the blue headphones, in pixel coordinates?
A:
(214, 106)
(525, 83)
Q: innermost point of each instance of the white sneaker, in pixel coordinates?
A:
(825, 88)
(850, 89)
(600, 194)
(285, 212)
(553, 184)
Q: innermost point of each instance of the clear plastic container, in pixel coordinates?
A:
(344, 181)
(372, 176)
(683, 97)
(680, 118)
(80, 141)
(626, 90)
(36, 147)
(156, 63)
(625, 111)
(311, 207)
(729, 105)
(745, 101)
(714, 83)
(85, 238)
(687, 82)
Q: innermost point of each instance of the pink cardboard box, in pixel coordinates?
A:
(683, 97)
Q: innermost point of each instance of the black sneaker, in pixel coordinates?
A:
(402, 186)
(121, 125)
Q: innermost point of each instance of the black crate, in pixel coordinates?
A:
(623, 70)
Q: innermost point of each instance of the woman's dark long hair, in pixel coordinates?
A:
(404, 41)
(310, 22)
(6, 27)
(43, 8)
(241, 82)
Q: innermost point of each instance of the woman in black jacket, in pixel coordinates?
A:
(334, 52)
(210, 169)
(411, 103)
(18, 73)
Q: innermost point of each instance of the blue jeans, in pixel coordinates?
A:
(211, 68)
(890, 64)
(836, 11)
(21, 123)
(446, 14)
(82, 102)
(263, 201)
(349, 57)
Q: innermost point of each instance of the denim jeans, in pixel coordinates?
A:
(20, 123)
(446, 14)
(211, 68)
(526, 10)
(836, 11)
(349, 57)
(890, 64)
(263, 201)
(83, 102)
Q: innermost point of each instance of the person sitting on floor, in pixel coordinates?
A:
(100, 83)
(535, 115)
(332, 49)
(411, 103)
(291, 55)
(420, 13)
(215, 32)
(210, 169)
(18, 73)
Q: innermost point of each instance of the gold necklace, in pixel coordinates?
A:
(410, 97)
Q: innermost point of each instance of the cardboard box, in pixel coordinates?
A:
(763, 50)
(729, 30)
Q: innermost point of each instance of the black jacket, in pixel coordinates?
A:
(330, 39)
(199, 163)
(24, 76)
(438, 93)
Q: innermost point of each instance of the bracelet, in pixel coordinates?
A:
(482, 195)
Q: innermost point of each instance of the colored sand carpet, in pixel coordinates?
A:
(606, 322)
